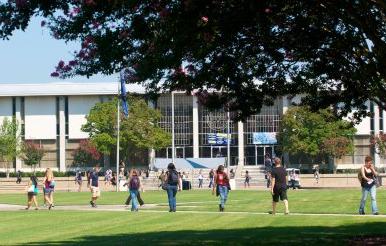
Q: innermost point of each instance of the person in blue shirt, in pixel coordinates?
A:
(94, 185)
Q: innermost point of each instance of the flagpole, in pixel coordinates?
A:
(118, 125)
(173, 133)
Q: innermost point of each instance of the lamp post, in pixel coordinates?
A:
(173, 137)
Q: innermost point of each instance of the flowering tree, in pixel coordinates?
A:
(379, 143)
(32, 154)
(253, 51)
(86, 154)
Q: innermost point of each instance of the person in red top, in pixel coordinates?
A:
(221, 181)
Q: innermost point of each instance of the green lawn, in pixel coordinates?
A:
(146, 228)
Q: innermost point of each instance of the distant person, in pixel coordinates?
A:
(292, 178)
(114, 179)
(221, 186)
(161, 179)
(174, 184)
(78, 180)
(279, 186)
(32, 192)
(368, 176)
(18, 177)
(232, 174)
(108, 176)
(268, 169)
(315, 170)
(247, 179)
(94, 185)
(211, 178)
(200, 179)
(48, 188)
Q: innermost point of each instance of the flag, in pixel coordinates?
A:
(123, 93)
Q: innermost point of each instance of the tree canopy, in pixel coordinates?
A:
(317, 134)
(251, 51)
(9, 142)
(139, 131)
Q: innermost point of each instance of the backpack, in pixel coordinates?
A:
(173, 177)
(134, 183)
(360, 177)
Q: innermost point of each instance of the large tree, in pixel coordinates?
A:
(252, 51)
(139, 131)
(315, 134)
(9, 142)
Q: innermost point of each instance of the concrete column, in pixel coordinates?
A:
(377, 158)
(18, 117)
(151, 152)
(62, 135)
(240, 126)
(196, 153)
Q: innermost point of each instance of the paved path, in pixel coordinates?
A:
(149, 208)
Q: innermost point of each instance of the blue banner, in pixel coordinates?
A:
(122, 95)
(218, 138)
(264, 138)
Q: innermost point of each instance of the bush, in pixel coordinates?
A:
(39, 174)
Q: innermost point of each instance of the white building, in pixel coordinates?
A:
(53, 113)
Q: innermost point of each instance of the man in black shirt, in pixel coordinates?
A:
(279, 186)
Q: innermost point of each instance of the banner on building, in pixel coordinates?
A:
(264, 138)
(218, 138)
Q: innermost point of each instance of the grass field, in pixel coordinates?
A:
(194, 223)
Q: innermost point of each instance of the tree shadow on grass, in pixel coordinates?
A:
(288, 235)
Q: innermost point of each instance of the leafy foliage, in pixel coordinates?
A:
(379, 142)
(315, 133)
(9, 142)
(139, 131)
(253, 51)
(86, 154)
(32, 154)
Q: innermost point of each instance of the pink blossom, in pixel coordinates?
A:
(205, 19)
(55, 74)
(72, 63)
(61, 64)
(43, 23)
(268, 10)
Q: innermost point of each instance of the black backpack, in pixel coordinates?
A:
(173, 177)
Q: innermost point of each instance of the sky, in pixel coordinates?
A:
(31, 56)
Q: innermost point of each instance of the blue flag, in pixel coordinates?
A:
(123, 93)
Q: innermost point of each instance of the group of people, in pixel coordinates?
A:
(48, 185)
(219, 182)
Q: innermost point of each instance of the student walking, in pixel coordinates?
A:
(94, 185)
(368, 176)
(134, 185)
(279, 186)
(32, 192)
(247, 178)
(211, 178)
(200, 179)
(48, 188)
(18, 177)
(268, 169)
(221, 185)
(78, 180)
(173, 183)
(316, 173)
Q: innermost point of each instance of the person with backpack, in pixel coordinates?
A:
(48, 188)
(18, 177)
(221, 184)
(32, 192)
(172, 183)
(134, 185)
(367, 176)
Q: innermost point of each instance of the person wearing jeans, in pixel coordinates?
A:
(173, 184)
(221, 184)
(172, 191)
(368, 176)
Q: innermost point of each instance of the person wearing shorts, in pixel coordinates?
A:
(94, 185)
(279, 186)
